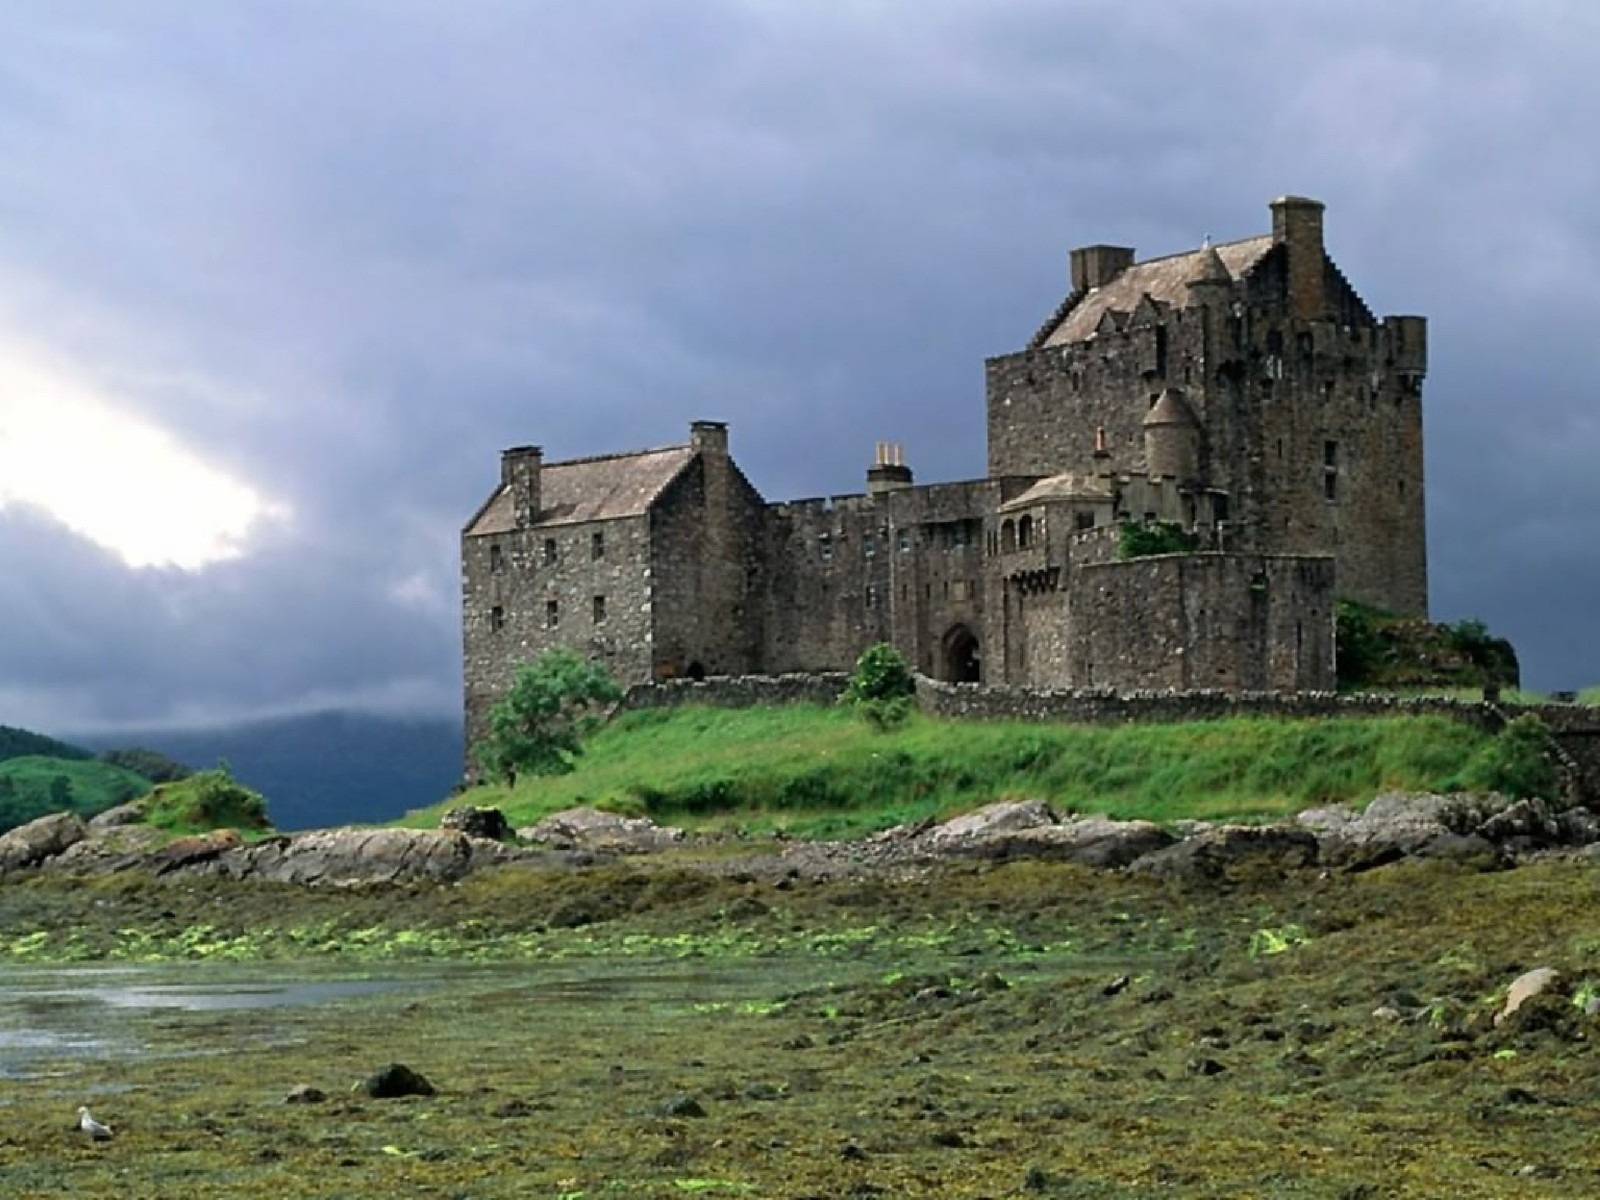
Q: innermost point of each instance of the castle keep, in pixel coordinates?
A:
(1243, 391)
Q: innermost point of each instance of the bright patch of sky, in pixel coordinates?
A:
(70, 448)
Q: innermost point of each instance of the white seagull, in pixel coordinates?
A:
(96, 1131)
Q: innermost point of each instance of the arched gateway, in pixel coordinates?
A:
(962, 663)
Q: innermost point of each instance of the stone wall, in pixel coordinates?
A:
(1191, 621)
(742, 691)
(527, 591)
(708, 570)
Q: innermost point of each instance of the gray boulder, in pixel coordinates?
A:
(31, 844)
(118, 817)
(345, 857)
(992, 820)
(1094, 841)
(479, 822)
(1217, 851)
(587, 828)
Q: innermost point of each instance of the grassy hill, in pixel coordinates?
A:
(823, 771)
(33, 785)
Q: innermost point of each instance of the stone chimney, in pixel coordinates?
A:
(1096, 266)
(888, 473)
(1297, 224)
(520, 468)
(709, 437)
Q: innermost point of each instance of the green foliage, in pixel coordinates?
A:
(205, 801)
(1493, 656)
(33, 786)
(1378, 649)
(1359, 652)
(824, 772)
(152, 764)
(881, 687)
(1136, 539)
(1516, 762)
(539, 726)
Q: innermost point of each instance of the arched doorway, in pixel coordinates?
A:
(962, 663)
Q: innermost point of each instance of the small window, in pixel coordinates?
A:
(552, 613)
(549, 552)
(872, 596)
(1085, 520)
(825, 547)
(599, 610)
(1330, 454)
(497, 617)
(1025, 533)
(869, 545)
(1008, 536)
(497, 558)
(597, 545)
(905, 540)
(1330, 470)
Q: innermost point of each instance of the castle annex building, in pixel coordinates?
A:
(1242, 390)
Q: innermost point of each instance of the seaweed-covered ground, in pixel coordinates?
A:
(982, 1031)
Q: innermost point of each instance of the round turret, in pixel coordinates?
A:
(1171, 437)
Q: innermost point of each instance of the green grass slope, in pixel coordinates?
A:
(34, 785)
(824, 772)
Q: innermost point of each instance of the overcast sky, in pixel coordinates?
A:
(279, 279)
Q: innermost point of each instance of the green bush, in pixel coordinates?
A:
(1137, 539)
(204, 801)
(539, 726)
(881, 687)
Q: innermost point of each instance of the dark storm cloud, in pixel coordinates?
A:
(349, 250)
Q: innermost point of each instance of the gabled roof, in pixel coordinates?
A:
(590, 489)
(1165, 280)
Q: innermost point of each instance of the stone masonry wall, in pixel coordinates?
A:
(706, 563)
(1185, 621)
(600, 590)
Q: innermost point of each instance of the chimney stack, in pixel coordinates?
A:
(1096, 266)
(888, 472)
(709, 437)
(520, 467)
(1297, 224)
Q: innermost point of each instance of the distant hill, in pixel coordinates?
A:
(33, 785)
(330, 768)
(18, 743)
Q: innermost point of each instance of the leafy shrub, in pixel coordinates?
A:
(539, 726)
(1137, 539)
(881, 687)
(1358, 648)
(207, 800)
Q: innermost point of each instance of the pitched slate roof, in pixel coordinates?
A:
(1165, 280)
(590, 489)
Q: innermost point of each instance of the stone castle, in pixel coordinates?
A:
(1243, 391)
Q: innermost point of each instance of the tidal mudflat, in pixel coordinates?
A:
(1021, 1029)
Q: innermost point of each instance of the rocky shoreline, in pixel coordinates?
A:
(1482, 832)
